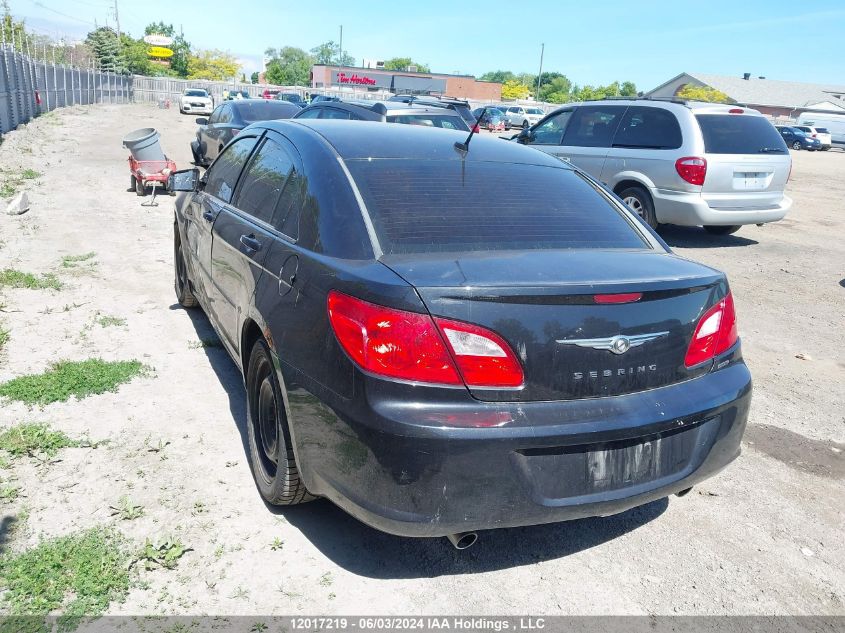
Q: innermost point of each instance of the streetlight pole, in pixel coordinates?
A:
(540, 74)
(340, 46)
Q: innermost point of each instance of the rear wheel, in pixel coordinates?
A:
(181, 284)
(271, 454)
(796, 145)
(140, 190)
(640, 202)
(723, 230)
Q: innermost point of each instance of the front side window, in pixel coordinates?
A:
(335, 113)
(263, 181)
(550, 131)
(593, 126)
(311, 113)
(648, 128)
(215, 116)
(222, 176)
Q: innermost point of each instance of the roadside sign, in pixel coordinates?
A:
(155, 39)
(160, 51)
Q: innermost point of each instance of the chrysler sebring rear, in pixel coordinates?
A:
(455, 341)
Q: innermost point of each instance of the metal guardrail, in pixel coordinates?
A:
(29, 87)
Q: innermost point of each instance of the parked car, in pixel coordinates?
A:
(233, 95)
(675, 162)
(228, 119)
(386, 111)
(321, 98)
(819, 133)
(834, 124)
(195, 101)
(442, 341)
(493, 121)
(270, 93)
(292, 97)
(797, 139)
(521, 116)
(460, 106)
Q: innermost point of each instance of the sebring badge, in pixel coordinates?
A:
(616, 344)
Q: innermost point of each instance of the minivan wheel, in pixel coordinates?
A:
(639, 201)
(796, 145)
(274, 465)
(181, 284)
(723, 230)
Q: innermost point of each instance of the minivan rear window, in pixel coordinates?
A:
(421, 206)
(739, 134)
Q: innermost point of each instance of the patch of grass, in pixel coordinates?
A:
(326, 579)
(11, 278)
(110, 321)
(30, 174)
(71, 378)
(31, 438)
(166, 554)
(126, 510)
(4, 337)
(277, 544)
(79, 574)
(70, 261)
(9, 493)
(8, 188)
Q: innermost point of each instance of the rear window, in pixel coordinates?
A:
(422, 206)
(737, 134)
(822, 130)
(430, 120)
(196, 93)
(265, 111)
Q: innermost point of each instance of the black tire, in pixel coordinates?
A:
(640, 202)
(796, 145)
(723, 230)
(274, 465)
(181, 281)
(140, 189)
(197, 160)
(525, 125)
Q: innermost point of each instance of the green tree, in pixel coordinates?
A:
(288, 66)
(159, 28)
(135, 55)
(512, 89)
(107, 50)
(703, 93)
(330, 53)
(628, 89)
(212, 64)
(13, 31)
(557, 89)
(498, 76)
(253, 78)
(402, 63)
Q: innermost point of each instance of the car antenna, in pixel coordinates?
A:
(463, 148)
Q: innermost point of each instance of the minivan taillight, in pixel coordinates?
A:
(416, 347)
(715, 333)
(692, 169)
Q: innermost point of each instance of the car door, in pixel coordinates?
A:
(588, 136)
(217, 133)
(245, 234)
(204, 130)
(218, 185)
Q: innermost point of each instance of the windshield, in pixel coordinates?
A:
(533, 110)
(739, 134)
(422, 206)
(196, 93)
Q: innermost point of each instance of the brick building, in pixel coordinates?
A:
(403, 82)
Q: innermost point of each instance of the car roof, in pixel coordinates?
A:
(373, 140)
(241, 105)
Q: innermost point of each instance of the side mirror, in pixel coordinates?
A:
(201, 121)
(525, 136)
(183, 180)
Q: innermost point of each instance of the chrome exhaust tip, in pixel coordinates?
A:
(462, 540)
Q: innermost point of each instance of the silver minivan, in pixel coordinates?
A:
(675, 162)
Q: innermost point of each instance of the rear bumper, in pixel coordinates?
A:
(692, 209)
(410, 469)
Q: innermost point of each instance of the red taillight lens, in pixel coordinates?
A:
(408, 346)
(735, 111)
(483, 357)
(692, 169)
(715, 332)
(625, 297)
(476, 129)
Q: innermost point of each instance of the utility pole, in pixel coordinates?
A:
(340, 55)
(117, 21)
(539, 75)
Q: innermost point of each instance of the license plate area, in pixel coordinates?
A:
(752, 180)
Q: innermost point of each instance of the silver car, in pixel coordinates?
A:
(675, 162)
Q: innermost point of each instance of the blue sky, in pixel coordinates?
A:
(596, 42)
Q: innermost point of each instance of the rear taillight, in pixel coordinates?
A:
(735, 111)
(625, 297)
(715, 333)
(814, 136)
(476, 129)
(412, 346)
(692, 169)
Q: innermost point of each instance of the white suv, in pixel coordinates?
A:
(521, 116)
(819, 133)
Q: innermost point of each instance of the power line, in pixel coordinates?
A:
(71, 17)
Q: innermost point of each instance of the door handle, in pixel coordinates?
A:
(250, 243)
(208, 216)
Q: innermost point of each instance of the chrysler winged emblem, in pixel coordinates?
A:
(616, 344)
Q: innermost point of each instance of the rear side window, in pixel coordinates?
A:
(223, 174)
(739, 134)
(421, 206)
(263, 182)
(593, 126)
(648, 128)
(335, 113)
(312, 113)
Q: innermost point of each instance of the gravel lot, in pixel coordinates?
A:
(763, 537)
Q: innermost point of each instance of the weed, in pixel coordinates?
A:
(126, 510)
(4, 337)
(9, 188)
(30, 174)
(68, 378)
(158, 447)
(11, 278)
(276, 544)
(204, 343)
(80, 573)
(332, 596)
(110, 321)
(326, 579)
(165, 555)
(199, 508)
(31, 438)
(258, 627)
(9, 493)
(240, 594)
(218, 552)
(70, 261)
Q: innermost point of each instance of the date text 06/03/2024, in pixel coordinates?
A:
(419, 623)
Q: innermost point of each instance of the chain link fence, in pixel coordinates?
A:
(29, 87)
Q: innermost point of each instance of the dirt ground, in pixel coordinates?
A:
(763, 537)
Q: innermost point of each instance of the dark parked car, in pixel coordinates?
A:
(412, 114)
(442, 341)
(292, 97)
(493, 119)
(797, 139)
(229, 118)
(458, 105)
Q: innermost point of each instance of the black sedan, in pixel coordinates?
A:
(443, 339)
(228, 119)
(797, 139)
